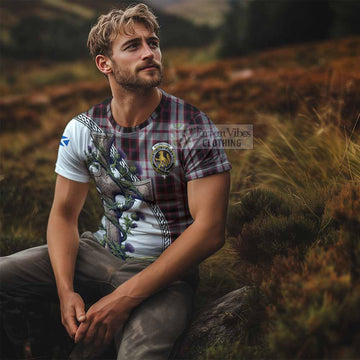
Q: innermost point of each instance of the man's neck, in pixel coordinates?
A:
(131, 108)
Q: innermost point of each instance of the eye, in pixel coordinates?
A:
(131, 47)
(153, 44)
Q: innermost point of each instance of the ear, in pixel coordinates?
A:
(103, 64)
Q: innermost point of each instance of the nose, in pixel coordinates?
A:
(147, 52)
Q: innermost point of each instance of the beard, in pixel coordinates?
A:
(132, 80)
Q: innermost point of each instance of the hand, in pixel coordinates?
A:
(72, 312)
(103, 320)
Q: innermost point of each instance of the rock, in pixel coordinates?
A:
(227, 319)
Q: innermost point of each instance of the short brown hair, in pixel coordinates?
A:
(108, 26)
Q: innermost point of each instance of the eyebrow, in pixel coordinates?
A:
(138, 39)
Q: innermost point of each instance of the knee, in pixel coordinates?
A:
(169, 309)
(6, 272)
(19, 268)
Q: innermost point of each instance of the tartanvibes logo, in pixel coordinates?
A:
(229, 136)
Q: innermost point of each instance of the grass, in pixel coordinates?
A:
(310, 283)
(34, 76)
(303, 154)
(76, 9)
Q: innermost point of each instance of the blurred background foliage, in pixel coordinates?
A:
(56, 29)
(290, 68)
(257, 24)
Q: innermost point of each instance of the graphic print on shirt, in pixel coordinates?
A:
(127, 200)
(163, 158)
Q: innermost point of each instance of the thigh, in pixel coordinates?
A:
(97, 271)
(27, 273)
(155, 325)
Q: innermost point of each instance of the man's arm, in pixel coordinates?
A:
(63, 243)
(208, 199)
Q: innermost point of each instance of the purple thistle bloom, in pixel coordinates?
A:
(140, 215)
(118, 213)
(89, 149)
(134, 225)
(129, 248)
(138, 169)
(121, 153)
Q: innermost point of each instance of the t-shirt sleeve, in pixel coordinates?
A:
(203, 154)
(72, 152)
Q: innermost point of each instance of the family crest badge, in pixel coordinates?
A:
(163, 158)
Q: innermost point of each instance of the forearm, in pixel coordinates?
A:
(194, 245)
(63, 243)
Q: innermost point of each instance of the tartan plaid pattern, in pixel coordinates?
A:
(158, 149)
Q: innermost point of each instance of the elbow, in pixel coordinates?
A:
(217, 236)
(212, 234)
(220, 242)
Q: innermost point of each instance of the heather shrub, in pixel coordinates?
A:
(264, 238)
(267, 224)
(313, 301)
(256, 203)
(314, 311)
(346, 210)
(25, 204)
(234, 351)
(12, 241)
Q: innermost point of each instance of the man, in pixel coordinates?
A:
(164, 196)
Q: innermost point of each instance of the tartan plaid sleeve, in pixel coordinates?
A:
(203, 154)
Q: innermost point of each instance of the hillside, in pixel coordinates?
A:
(293, 223)
(57, 29)
(12, 12)
(281, 81)
(204, 12)
(231, 91)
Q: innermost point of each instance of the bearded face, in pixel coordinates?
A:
(136, 59)
(144, 76)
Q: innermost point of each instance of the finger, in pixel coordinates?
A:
(81, 331)
(70, 324)
(109, 336)
(80, 311)
(71, 328)
(99, 339)
(90, 335)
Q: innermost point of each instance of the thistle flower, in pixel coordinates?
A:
(138, 169)
(121, 154)
(129, 248)
(139, 215)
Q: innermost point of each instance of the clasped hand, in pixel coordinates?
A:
(101, 322)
